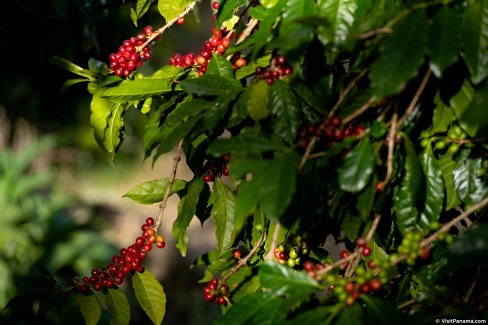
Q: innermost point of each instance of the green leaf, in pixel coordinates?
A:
(117, 303)
(71, 67)
(227, 9)
(443, 116)
(350, 316)
(223, 213)
(350, 226)
(357, 168)
(339, 15)
(170, 9)
(107, 121)
(90, 309)
(186, 211)
(153, 191)
(476, 39)
(471, 246)
(283, 280)
(139, 89)
(242, 144)
(275, 183)
(407, 196)
(257, 308)
(209, 85)
(255, 100)
(434, 191)
(269, 3)
(446, 166)
(473, 120)
(470, 188)
(445, 38)
(295, 33)
(461, 102)
(402, 54)
(150, 294)
(286, 111)
(179, 123)
(220, 66)
(138, 9)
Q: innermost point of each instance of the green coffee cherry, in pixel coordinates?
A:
(441, 144)
(453, 148)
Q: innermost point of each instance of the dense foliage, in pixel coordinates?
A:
(360, 121)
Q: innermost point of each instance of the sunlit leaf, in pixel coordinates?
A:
(150, 294)
(117, 303)
(150, 192)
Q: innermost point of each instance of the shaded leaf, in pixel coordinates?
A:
(446, 166)
(357, 168)
(90, 309)
(339, 15)
(223, 213)
(444, 42)
(402, 54)
(443, 116)
(476, 39)
(470, 188)
(117, 303)
(286, 111)
(242, 144)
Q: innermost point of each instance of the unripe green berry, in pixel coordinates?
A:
(453, 148)
(441, 144)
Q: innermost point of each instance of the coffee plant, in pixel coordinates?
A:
(363, 122)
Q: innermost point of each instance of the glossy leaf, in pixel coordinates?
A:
(476, 39)
(209, 85)
(117, 303)
(286, 111)
(150, 294)
(339, 15)
(407, 197)
(357, 168)
(90, 309)
(259, 308)
(227, 9)
(282, 280)
(446, 166)
(138, 9)
(434, 191)
(151, 192)
(402, 54)
(139, 89)
(443, 116)
(220, 66)
(170, 9)
(473, 120)
(469, 187)
(293, 30)
(445, 37)
(461, 102)
(223, 213)
(186, 211)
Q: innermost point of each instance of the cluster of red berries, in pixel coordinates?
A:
(279, 68)
(329, 132)
(218, 43)
(364, 249)
(216, 292)
(129, 56)
(128, 261)
(217, 168)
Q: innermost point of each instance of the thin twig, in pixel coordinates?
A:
(373, 32)
(352, 266)
(162, 205)
(309, 149)
(406, 304)
(243, 261)
(251, 24)
(161, 30)
(415, 98)
(346, 91)
(446, 227)
(360, 110)
(391, 148)
(274, 240)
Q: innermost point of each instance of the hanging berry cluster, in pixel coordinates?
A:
(279, 68)
(329, 132)
(128, 261)
(291, 252)
(129, 57)
(410, 246)
(216, 168)
(215, 292)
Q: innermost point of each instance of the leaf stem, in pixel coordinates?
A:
(343, 95)
(415, 98)
(360, 110)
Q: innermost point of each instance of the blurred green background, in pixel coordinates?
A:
(61, 200)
